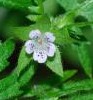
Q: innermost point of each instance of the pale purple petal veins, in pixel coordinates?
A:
(29, 46)
(50, 37)
(28, 43)
(51, 49)
(29, 50)
(40, 56)
(34, 34)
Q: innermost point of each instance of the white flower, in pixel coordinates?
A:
(41, 45)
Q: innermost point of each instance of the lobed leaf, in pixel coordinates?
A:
(85, 59)
(55, 64)
(86, 10)
(6, 49)
(23, 61)
(68, 74)
(69, 88)
(22, 33)
(8, 81)
(83, 53)
(28, 74)
(68, 4)
(16, 4)
(10, 92)
(81, 96)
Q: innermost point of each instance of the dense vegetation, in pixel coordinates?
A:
(66, 76)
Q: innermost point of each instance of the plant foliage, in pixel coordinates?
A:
(66, 76)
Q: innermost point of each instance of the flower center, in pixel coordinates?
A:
(40, 41)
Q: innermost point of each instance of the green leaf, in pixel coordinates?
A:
(80, 96)
(62, 36)
(50, 4)
(86, 10)
(28, 74)
(71, 87)
(44, 25)
(82, 24)
(68, 74)
(23, 61)
(43, 84)
(85, 59)
(34, 9)
(64, 20)
(55, 64)
(52, 98)
(6, 49)
(34, 17)
(8, 81)
(38, 8)
(16, 4)
(68, 4)
(22, 33)
(83, 53)
(11, 92)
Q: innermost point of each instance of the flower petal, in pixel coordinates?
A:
(40, 56)
(50, 37)
(34, 34)
(28, 43)
(51, 49)
(29, 46)
(28, 50)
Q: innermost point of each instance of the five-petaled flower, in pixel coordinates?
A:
(41, 45)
